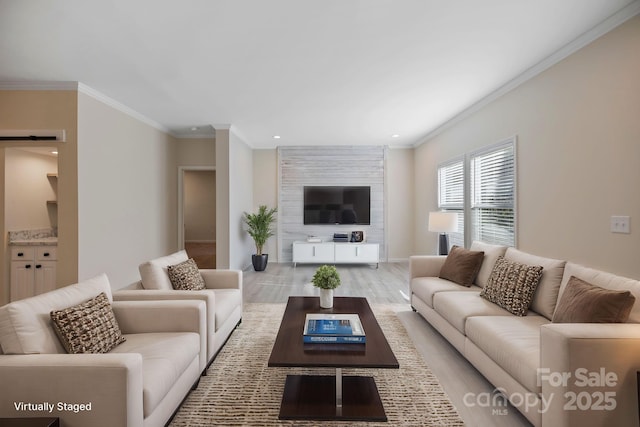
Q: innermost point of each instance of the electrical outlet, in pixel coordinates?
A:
(620, 224)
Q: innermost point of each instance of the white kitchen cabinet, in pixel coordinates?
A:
(33, 270)
(336, 253)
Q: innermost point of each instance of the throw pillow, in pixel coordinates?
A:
(462, 266)
(186, 276)
(583, 302)
(89, 327)
(511, 285)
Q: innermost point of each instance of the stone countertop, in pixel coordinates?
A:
(44, 241)
(34, 237)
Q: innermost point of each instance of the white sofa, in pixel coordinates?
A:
(524, 357)
(223, 296)
(139, 383)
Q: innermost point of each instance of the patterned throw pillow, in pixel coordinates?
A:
(511, 285)
(90, 327)
(186, 276)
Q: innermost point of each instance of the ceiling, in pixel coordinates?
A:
(313, 72)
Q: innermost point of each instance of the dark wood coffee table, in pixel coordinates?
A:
(324, 397)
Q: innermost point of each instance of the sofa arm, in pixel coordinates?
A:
(206, 295)
(136, 317)
(588, 374)
(110, 383)
(222, 279)
(425, 265)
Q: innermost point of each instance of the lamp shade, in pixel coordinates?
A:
(443, 222)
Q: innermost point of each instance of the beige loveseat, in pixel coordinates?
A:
(139, 383)
(223, 295)
(556, 374)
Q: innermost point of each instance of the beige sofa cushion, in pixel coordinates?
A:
(165, 357)
(155, 274)
(606, 281)
(227, 301)
(426, 287)
(511, 342)
(491, 254)
(546, 294)
(457, 307)
(25, 325)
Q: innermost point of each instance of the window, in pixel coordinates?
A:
(492, 175)
(481, 187)
(451, 195)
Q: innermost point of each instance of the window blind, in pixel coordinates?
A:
(492, 175)
(451, 195)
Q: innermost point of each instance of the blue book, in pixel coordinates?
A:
(333, 328)
(333, 339)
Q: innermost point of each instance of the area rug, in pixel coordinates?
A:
(240, 390)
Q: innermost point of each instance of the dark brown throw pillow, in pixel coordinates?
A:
(89, 327)
(186, 276)
(511, 285)
(462, 266)
(583, 302)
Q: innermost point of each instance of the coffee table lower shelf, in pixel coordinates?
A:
(313, 397)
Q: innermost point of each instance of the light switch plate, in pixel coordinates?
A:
(620, 224)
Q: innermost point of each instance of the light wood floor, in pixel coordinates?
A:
(389, 284)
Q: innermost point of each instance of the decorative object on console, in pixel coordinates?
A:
(340, 237)
(583, 302)
(357, 236)
(443, 223)
(260, 229)
(327, 279)
(462, 266)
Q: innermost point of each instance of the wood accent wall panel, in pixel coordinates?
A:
(337, 165)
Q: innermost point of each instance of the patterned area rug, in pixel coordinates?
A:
(240, 390)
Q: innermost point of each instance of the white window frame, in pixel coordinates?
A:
(468, 233)
(456, 238)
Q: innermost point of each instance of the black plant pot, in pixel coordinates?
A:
(259, 262)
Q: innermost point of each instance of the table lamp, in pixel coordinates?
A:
(443, 223)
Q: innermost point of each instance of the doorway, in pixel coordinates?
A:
(197, 214)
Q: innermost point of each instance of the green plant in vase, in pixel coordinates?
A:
(327, 279)
(259, 226)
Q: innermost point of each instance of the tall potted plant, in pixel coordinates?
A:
(327, 279)
(259, 227)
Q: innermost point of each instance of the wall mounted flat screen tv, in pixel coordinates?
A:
(337, 205)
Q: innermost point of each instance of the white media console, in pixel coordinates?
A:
(336, 253)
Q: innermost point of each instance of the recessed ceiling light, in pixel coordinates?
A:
(194, 128)
(54, 152)
(395, 135)
(276, 136)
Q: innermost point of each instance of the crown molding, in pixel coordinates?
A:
(38, 85)
(99, 96)
(596, 32)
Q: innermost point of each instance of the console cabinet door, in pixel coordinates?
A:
(357, 253)
(22, 280)
(313, 252)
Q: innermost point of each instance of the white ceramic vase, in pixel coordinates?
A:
(326, 298)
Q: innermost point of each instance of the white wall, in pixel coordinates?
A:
(265, 190)
(127, 192)
(400, 205)
(241, 245)
(28, 188)
(578, 154)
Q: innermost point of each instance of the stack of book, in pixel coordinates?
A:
(333, 328)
